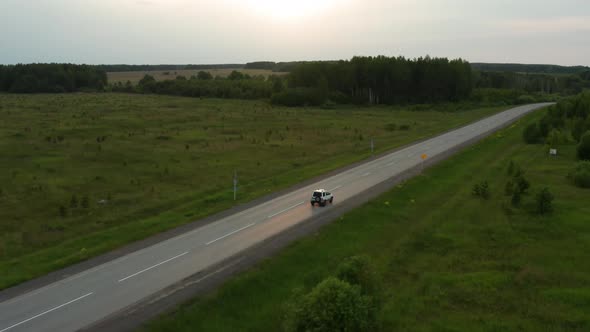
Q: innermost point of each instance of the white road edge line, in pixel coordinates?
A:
(285, 210)
(46, 312)
(366, 174)
(151, 267)
(229, 234)
(336, 188)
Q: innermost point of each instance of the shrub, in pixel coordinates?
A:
(544, 201)
(482, 190)
(556, 137)
(333, 305)
(532, 134)
(522, 184)
(358, 271)
(581, 174)
(390, 127)
(584, 147)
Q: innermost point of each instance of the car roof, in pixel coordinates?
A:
(320, 190)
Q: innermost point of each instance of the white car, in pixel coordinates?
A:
(321, 197)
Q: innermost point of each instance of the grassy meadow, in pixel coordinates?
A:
(86, 173)
(447, 260)
(136, 76)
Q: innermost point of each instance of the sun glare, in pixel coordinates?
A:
(289, 9)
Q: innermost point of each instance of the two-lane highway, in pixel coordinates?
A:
(85, 298)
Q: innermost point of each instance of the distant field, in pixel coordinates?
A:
(135, 76)
(447, 261)
(85, 173)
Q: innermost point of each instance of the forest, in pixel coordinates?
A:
(524, 68)
(51, 78)
(378, 80)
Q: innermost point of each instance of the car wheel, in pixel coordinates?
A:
(331, 200)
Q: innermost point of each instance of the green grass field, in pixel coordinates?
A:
(448, 261)
(86, 173)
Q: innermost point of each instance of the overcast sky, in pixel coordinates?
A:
(239, 31)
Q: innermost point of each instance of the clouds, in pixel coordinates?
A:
(223, 31)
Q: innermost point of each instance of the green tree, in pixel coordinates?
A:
(544, 200)
(147, 79)
(333, 305)
(555, 138)
(277, 83)
(359, 271)
(204, 75)
(581, 174)
(236, 75)
(522, 184)
(580, 127)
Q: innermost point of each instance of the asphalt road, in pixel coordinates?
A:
(85, 298)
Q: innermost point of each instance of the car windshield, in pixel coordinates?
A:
(317, 194)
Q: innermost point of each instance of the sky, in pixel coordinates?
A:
(240, 31)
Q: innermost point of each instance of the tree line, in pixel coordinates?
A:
(124, 67)
(361, 80)
(544, 83)
(535, 69)
(565, 122)
(51, 78)
(237, 85)
(274, 66)
(378, 80)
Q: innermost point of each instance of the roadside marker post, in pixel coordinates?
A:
(423, 156)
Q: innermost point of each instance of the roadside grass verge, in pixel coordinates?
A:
(448, 261)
